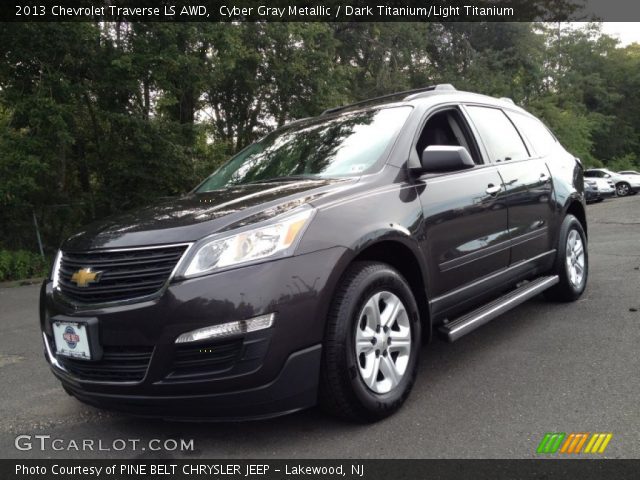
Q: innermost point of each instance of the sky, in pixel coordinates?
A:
(626, 32)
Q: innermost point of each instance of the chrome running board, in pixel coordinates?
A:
(472, 320)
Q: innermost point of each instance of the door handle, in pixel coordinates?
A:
(493, 189)
(544, 178)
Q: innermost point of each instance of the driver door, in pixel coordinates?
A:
(465, 231)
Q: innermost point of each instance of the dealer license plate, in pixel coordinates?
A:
(72, 340)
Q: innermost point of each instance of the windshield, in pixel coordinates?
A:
(348, 145)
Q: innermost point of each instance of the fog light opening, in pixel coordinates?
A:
(228, 329)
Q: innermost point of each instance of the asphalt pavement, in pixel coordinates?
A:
(542, 367)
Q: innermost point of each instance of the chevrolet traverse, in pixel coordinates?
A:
(311, 267)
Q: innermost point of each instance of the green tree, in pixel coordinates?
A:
(96, 118)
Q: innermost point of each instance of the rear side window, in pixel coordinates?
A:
(538, 135)
(500, 137)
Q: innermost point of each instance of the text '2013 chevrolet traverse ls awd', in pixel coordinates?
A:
(312, 266)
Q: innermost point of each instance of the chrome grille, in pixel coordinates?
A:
(125, 274)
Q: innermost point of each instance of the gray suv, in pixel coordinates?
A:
(312, 266)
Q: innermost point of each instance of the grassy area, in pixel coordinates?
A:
(21, 264)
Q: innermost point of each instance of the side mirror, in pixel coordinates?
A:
(445, 158)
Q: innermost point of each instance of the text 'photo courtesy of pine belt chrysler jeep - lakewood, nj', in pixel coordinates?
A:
(312, 267)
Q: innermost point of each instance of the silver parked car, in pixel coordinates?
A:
(591, 192)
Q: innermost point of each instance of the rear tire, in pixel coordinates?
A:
(371, 345)
(572, 262)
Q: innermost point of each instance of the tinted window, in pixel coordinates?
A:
(535, 131)
(343, 146)
(446, 128)
(593, 174)
(498, 134)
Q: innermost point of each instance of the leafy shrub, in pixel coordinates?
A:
(21, 264)
(623, 162)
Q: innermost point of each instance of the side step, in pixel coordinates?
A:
(472, 320)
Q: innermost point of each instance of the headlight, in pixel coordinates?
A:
(55, 271)
(276, 239)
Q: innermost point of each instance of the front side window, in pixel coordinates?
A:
(500, 137)
(446, 128)
(344, 146)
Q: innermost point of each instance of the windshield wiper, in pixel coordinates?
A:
(282, 179)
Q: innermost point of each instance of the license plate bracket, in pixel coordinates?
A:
(76, 338)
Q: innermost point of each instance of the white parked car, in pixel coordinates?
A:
(633, 178)
(606, 187)
(624, 184)
(632, 174)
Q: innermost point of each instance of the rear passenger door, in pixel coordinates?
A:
(527, 180)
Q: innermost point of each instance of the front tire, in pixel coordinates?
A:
(572, 262)
(371, 345)
(623, 189)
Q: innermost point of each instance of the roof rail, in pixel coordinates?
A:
(508, 100)
(405, 95)
(424, 92)
(296, 120)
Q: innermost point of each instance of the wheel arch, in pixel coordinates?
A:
(396, 253)
(576, 208)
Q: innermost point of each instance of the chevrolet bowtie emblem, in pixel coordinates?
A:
(85, 276)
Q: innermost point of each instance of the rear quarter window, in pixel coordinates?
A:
(538, 135)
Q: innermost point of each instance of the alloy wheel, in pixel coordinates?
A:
(383, 342)
(622, 190)
(575, 258)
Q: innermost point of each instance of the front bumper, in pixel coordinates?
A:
(591, 195)
(259, 374)
(293, 389)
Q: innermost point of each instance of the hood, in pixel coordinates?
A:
(196, 215)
